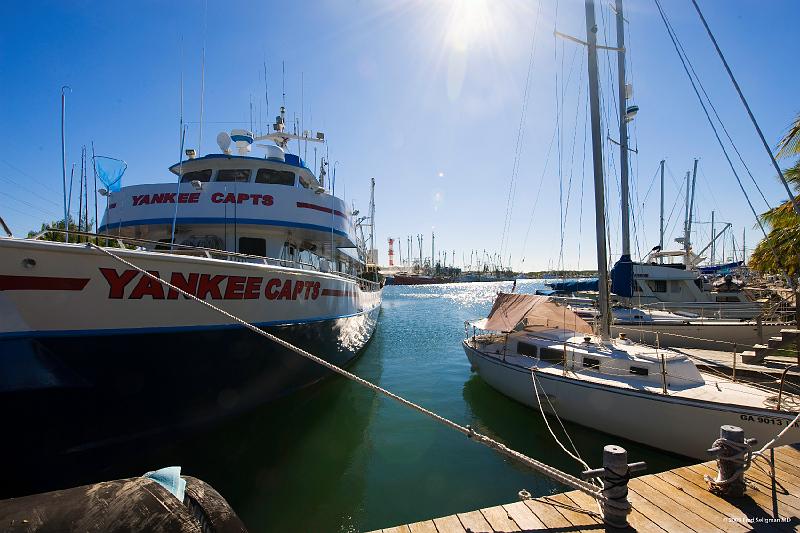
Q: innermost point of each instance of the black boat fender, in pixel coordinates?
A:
(124, 505)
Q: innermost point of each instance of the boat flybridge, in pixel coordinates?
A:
(545, 356)
(93, 337)
(268, 207)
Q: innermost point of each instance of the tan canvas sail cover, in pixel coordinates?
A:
(536, 311)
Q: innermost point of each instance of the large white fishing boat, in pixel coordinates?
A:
(93, 347)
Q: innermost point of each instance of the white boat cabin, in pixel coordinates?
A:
(270, 207)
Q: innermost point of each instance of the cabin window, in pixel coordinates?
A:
(252, 246)
(657, 285)
(523, 348)
(551, 355)
(304, 183)
(241, 175)
(591, 363)
(639, 370)
(271, 176)
(199, 175)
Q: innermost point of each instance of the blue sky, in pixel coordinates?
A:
(425, 96)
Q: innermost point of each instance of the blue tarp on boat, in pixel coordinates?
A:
(574, 285)
(720, 269)
(622, 277)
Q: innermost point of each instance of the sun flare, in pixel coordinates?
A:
(469, 22)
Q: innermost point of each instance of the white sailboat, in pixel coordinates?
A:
(548, 357)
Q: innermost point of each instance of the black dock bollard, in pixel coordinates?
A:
(615, 475)
(733, 453)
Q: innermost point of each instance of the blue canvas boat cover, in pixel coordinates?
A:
(622, 277)
(720, 269)
(574, 285)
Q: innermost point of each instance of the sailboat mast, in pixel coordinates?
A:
(690, 212)
(661, 218)
(623, 134)
(604, 320)
(686, 225)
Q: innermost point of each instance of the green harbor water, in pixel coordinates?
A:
(338, 458)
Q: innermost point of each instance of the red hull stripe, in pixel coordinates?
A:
(41, 283)
(304, 205)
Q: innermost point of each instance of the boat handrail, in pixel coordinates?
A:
(186, 249)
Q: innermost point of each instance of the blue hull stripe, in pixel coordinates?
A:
(168, 329)
(218, 220)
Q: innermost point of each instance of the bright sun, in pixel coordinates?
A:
(468, 23)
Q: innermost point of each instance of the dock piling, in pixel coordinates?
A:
(615, 474)
(732, 451)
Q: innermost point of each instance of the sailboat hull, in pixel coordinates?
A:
(678, 425)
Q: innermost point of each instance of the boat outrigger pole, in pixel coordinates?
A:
(604, 320)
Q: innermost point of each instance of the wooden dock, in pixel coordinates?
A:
(676, 500)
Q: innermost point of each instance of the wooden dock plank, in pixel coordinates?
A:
(745, 505)
(676, 500)
(663, 517)
(449, 524)
(788, 451)
(523, 516)
(702, 511)
(499, 520)
(549, 516)
(726, 509)
(637, 520)
(582, 519)
(426, 526)
(474, 522)
(670, 510)
(760, 497)
(759, 483)
(396, 529)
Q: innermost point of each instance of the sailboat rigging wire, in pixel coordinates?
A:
(520, 136)
(552, 472)
(673, 38)
(576, 456)
(538, 194)
(722, 124)
(795, 204)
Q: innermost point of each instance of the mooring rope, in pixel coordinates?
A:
(547, 470)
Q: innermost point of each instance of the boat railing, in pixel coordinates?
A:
(200, 251)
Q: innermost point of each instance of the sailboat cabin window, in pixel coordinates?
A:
(551, 355)
(199, 175)
(241, 175)
(523, 348)
(271, 176)
(304, 183)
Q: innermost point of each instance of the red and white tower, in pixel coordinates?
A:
(391, 252)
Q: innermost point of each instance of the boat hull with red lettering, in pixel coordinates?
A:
(95, 352)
